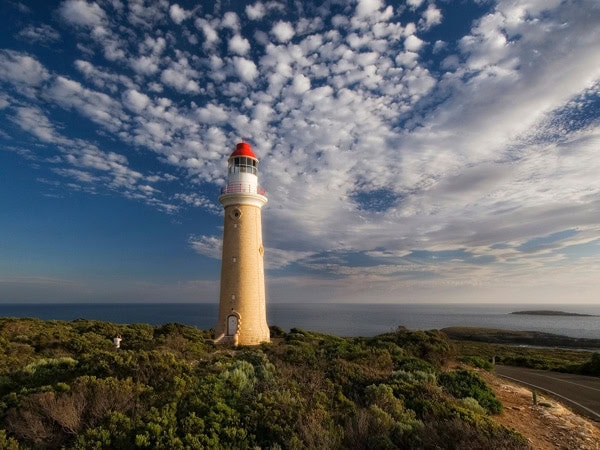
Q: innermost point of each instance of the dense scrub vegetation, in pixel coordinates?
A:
(64, 385)
(473, 349)
(512, 337)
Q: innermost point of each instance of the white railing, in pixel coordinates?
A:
(236, 188)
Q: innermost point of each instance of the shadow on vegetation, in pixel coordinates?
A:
(65, 385)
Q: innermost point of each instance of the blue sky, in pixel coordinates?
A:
(422, 151)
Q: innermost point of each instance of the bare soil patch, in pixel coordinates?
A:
(548, 425)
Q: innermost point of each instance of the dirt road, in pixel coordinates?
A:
(580, 392)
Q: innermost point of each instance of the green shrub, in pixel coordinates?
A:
(41, 372)
(412, 364)
(475, 361)
(417, 376)
(473, 405)
(277, 332)
(8, 443)
(465, 383)
(592, 367)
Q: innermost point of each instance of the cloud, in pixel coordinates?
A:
(96, 106)
(136, 101)
(34, 121)
(181, 76)
(79, 175)
(42, 34)
(4, 101)
(231, 20)
(86, 163)
(198, 201)
(414, 4)
(301, 84)
(21, 69)
(283, 31)
(149, 60)
(431, 16)
(367, 7)
(212, 114)
(238, 45)
(211, 36)
(256, 11)
(146, 14)
(210, 246)
(412, 43)
(178, 14)
(81, 13)
(179, 81)
(91, 22)
(245, 69)
(103, 79)
(279, 259)
(146, 65)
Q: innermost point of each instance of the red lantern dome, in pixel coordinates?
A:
(243, 149)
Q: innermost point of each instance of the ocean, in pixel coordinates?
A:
(338, 319)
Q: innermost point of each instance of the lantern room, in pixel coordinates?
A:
(243, 160)
(242, 172)
(243, 164)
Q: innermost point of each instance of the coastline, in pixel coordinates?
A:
(545, 312)
(344, 319)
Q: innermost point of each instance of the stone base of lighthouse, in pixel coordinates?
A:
(242, 309)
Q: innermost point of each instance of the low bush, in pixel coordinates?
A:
(465, 383)
(477, 362)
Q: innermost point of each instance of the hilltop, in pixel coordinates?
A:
(64, 385)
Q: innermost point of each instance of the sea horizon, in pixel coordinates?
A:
(342, 319)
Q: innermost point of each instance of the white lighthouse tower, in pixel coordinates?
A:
(242, 308)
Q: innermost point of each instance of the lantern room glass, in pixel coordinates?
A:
(243, 164)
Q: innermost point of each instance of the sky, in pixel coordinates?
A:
(415, 151)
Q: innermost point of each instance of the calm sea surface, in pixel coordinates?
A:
(338, 319)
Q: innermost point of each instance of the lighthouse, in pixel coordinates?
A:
(242, 308)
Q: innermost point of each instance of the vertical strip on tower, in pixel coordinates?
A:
(242, 307)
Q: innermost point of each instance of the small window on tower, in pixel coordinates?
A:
(235, 214)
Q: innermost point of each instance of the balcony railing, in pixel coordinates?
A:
(236, 188)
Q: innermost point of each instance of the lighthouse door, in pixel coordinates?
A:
(232, 325)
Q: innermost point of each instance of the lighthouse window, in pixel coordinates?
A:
(235, 214)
